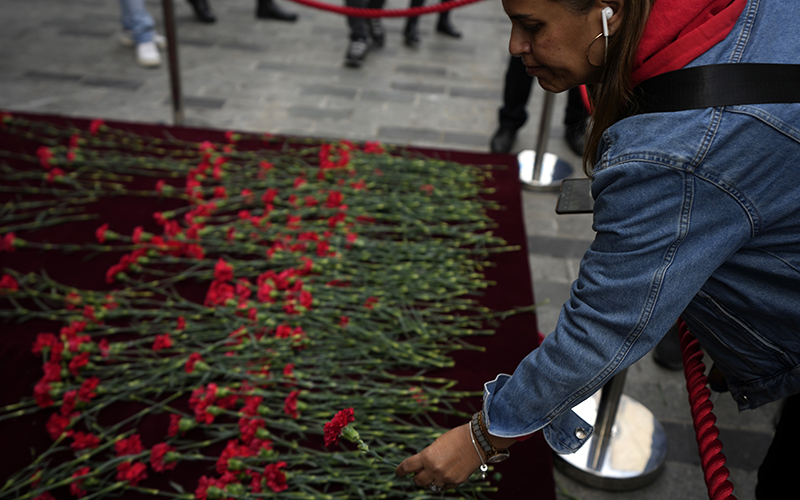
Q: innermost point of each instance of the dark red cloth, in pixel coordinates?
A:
(678, 31)
(527, 474)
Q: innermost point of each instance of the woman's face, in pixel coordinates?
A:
(552, 40)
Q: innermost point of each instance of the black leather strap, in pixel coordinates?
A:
(718, 85)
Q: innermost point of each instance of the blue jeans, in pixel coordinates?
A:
(136, 19)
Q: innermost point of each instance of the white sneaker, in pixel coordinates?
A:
(126, 39)
(147, 54)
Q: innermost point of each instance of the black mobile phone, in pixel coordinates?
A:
(575, 197)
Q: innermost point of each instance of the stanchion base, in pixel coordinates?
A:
(553, 171)
(635, 455)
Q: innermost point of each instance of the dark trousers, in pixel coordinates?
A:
(412, 21)
(358, 25)
(776, 473)
(517, 91)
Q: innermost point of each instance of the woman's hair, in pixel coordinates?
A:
(611, 98)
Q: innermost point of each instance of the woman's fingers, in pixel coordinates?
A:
(446, 463)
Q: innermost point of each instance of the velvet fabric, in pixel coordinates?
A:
(527, 474)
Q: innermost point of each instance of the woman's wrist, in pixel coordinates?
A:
(492, 449)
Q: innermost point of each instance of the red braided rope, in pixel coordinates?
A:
(410, 12)
(712, 459)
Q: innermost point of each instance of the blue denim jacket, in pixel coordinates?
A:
(697, 213)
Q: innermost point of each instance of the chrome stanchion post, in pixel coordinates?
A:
(538, 169)
(174, 67)
(628, 448)
(606, 414)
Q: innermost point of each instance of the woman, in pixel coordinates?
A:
(696, 215)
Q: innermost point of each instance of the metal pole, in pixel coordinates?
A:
(174, 67)
(538, 169)
(544, 134)
(606, 415)
(628, 449)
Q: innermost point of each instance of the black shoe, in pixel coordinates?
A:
(445, 27)
(411, 34)
(667, 352)
(376, 31)
(202, 11)
(576, 137)
(356, 53)
(268, 10)
(503, 140)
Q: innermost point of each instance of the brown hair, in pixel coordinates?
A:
(611, 97)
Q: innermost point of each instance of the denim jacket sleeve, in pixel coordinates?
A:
(661, 231)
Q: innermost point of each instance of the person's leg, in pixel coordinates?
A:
(444, 26)
(575, 119)
(512, 115)
(411, 33)
(776, 473)
(359, 36)
(202, 11)
(357, 25)
(375, 25)
(268, 9)
(137, 20)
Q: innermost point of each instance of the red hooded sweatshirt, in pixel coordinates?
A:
(678, 31)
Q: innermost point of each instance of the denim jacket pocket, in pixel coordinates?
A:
(742, 353)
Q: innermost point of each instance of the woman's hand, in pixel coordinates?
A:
(446, 463)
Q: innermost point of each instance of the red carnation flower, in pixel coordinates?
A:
(44, 341)
(129, 446)
(87, 389)
(84, 441)
(78, 362)
(76, 487)
(134, 473)
(194, 358)
(41, 394)
(45, 155)
(162, 342)
(56, 425)
(8, 284)
(275, 477)
(7, 242)
(333, 429)
(158, 454)
(95, 126)
(174, 425)
(100, 233)
(223, 271)
(290, 404)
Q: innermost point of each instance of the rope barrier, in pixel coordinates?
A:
(410, 12)
(712, 459)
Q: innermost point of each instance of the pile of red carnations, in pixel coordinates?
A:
(278, 287)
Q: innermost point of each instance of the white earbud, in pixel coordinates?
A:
(606, 14)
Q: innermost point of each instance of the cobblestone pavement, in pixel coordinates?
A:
(64, 57)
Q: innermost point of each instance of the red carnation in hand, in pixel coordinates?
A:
(333, 429)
